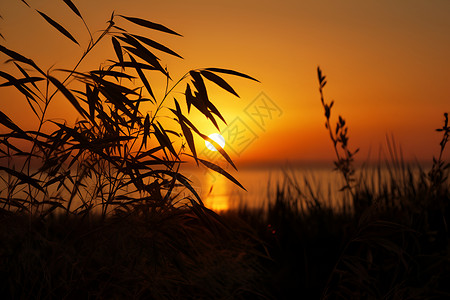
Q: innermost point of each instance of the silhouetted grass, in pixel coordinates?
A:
(389, 239)
(396, 248)
(145, 255)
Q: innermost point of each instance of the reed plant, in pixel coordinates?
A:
(90, 209)
(388, 238)
(115, 156)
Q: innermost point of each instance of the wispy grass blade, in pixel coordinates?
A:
(58, 27)
(73, 8)
(219, 170)
(150, 25)
(219, 81)
(231, 72)
(68, 95)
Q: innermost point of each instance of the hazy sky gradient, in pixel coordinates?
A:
(386, 63)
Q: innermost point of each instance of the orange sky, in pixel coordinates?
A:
(386, 63)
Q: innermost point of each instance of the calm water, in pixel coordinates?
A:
(219, 193)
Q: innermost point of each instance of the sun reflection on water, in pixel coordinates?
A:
(216, 197)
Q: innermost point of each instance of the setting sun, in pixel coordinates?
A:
(216, 137)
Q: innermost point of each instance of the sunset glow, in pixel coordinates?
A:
(386, 64)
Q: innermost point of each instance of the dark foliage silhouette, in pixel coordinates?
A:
(115, 156)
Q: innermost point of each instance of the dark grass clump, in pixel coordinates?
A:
(396, 248)
(145, 255)
(301, 245)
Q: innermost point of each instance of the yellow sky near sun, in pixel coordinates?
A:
(386, 63)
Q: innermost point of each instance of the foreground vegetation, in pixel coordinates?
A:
(396, 247)
(88, 210)
(388, 240)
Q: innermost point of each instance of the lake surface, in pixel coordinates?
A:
(219, 193)
(303, 183)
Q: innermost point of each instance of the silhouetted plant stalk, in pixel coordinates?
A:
(339, 138)
(115, 155)
(416, 211)
(437, 174)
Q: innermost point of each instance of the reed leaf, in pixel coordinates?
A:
(200, 99)
(68, 95)
(146, 130)
(24, 178)
(10, 147)
(58, 27)
(185, 129)
(219, 81)
(150, 25)
(149, 152)
(6, 121)
(17, 84)
(156, 45)
(163, 139)
(118, 50)
(114, 74)
(207, 106)
(25, 74)
(19, 57)
(141, 74)
(219, 170)
(73, 8)
(21, 81)
(92, 100)
(231, 72)
(147, 56)
(23, 1)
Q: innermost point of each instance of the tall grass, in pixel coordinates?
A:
(169, 255)
(389, 239)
